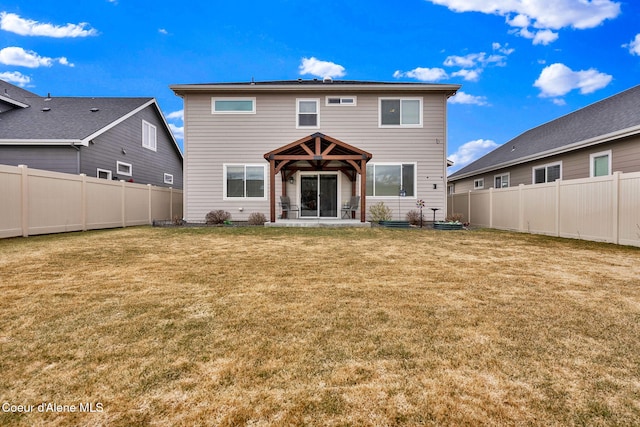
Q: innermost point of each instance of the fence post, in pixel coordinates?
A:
(469, 207)
(491, 207)
(24, 194)
(149, 220)
(557, 231)
(123, 200)
(83, 200)
(616, 207)
(171, 203)
(521, 208)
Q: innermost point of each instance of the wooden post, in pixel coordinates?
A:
(272, 189)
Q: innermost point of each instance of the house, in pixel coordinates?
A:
(596, 140)
(111, 138)
(319, 142)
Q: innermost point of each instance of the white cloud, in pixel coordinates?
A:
(468, 75)
(541, 14)
(318, 68)
(176, 115)
(163, 31)
(26, 58)
(27, 27)
(423, 74)
(178, 131)
(464, 98)
(15, 77)
(557, 80)
(634, 46)
(470, 151)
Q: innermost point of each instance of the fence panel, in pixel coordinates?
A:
(39, 202)
(603, 209)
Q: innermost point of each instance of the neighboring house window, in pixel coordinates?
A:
(501, 181)
(600, 164)
(478, 184)
(547, 173)
(451, 188)
(103, 174)
(233, 105)
(244, 181)
(384, 180)
(124, 168)
(168, 178)
(341, 100)
(149, 137)
(307, 113)
(400, 112)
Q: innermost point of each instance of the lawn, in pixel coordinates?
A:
(326, 327)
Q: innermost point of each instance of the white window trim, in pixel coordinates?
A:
(153, 147)
(317, 101)
(593, 156)
(252, 99)
(475, 184)
(168, 178)
(341, 103)
(545, 166)
(415, 178)
(421, 113)
(119, 172)
(108, 172)
(245, 165)
(502, 175)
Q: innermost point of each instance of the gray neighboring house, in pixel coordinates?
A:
(112, 138)
(596, 140)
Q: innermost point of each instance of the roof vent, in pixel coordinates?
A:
(94, 109)
(46, 109)
(327, 79)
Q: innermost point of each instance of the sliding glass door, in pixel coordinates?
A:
(319, 195)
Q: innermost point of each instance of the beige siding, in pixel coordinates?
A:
(212, 140)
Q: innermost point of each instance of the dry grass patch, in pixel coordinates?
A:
(259, 326)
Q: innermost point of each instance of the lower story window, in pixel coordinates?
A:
(501, 181)
(385, 180)
(168, 178)
(478, 184)
(103, 174)
(124, 168)
(546, 173)
(244, 181)
(601, 164)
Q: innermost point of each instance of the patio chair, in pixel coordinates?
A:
(349, 210)
(286, 206)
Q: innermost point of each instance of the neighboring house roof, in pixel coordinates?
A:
(66, 120)
(14, 95)
(612, 118)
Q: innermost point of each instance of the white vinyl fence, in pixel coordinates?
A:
(605, 209)
(39, 202)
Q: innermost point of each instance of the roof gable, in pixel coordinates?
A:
(593, 124)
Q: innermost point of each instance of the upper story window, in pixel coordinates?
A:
(600, 164)
(405, 112)
(341, 100)
(389, 179)
(149, 136)
(501, 181)
(307, 112)
(233, 105)
(547, 173)
(478, 184)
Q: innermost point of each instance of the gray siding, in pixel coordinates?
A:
(124, 143)
(625, 157)
(53, 158)
(213, 140)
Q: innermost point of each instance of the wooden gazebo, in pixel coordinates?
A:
(318, 152)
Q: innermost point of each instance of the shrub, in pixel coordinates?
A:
(257, 218)
(217, 217)
(380, 212)
(455, 217)
(414, 217)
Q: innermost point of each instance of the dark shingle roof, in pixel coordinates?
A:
(64, 118)
(13, 93)
(613, 114)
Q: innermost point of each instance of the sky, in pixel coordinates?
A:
(521, 63)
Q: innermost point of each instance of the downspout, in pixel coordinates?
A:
(77, 158)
